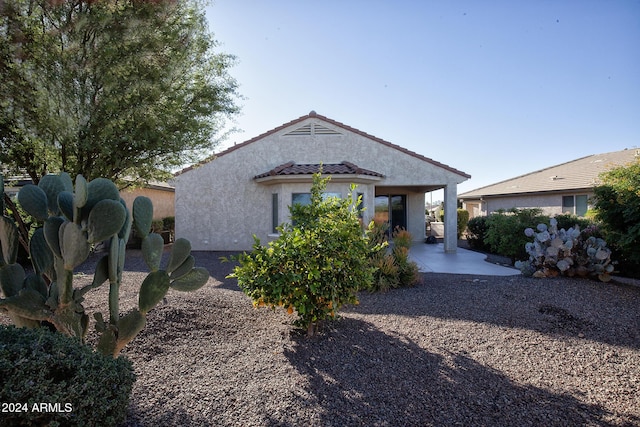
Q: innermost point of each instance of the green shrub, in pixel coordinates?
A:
(505, 231)
(567, 221)
(78, 386)
(315, 266)
(463, 220)
(476, 231)
(617, 206)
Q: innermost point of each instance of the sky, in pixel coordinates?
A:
(495, 89)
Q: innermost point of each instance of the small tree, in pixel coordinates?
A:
(315, 266)
(617, 205)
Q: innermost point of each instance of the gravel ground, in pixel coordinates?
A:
(454, 350)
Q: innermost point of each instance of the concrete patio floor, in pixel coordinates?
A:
(433, 259)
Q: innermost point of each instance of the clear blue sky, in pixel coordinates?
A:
(493, 88)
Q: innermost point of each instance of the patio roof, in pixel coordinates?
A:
(291, 172)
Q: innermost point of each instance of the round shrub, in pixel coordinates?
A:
(476, 230)
(51, 379)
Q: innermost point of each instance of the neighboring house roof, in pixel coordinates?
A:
(344, 168)
(579, 174)
(313, 114)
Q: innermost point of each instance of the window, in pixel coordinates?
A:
(274, 212)
(305, 198)
(575, 205)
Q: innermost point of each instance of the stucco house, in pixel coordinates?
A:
(564, 188)
(247, 189)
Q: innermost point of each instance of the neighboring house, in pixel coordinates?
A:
(248, 188)
(564, 188)
(161, 194)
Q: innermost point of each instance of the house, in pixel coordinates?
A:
(246, 190)
(161, 194)
(564, 188)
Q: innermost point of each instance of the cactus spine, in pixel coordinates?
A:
(73, 220)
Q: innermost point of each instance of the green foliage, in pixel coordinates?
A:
(617, 206)
(112, 89)
(463, 220)
(393, 268)
(315, 266)
(568, 221)
(94, 213)
(505, 231)
(476, 231)
(568, 252)
(39, 366)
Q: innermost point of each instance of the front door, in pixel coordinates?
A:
(392, 209)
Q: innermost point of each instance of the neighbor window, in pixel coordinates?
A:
(575, 205)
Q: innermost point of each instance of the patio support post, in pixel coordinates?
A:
(451, 218)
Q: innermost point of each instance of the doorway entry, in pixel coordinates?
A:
(391, 209)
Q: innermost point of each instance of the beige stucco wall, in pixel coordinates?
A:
(551, 204)
(163, 200)
(219, 205)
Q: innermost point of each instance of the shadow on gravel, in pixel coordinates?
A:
(578, 308)
(369, 378)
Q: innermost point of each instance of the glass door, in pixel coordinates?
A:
(391, 209)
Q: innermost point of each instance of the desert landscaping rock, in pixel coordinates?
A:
(454, 350)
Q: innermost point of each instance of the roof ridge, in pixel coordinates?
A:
(528, 173)
(314, 115)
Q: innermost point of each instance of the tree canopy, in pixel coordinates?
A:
(109, 88)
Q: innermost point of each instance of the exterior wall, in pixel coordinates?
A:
(163, 200)
(551, 204)
(219, 206)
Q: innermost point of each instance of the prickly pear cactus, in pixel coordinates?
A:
(73, 220)
(556, 252)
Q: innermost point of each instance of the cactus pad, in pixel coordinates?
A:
(75, 247)
(52, 234)
(33, 199)
(153, 289)
(193, 281)
(152, 246)
(105, 220)
(11, 279)
(52, 185)
(179, 253)
(142, 215)
(65, 204)
(185, 268)
(99, 189)
(41, 255)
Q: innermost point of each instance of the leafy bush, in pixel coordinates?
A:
(38, 366)
(315, 266)
(463, 220)
(476, 231)
(617, 206)
(567, 221)
(505, 231)
(568, 252)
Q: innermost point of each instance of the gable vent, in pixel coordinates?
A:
(312, 129)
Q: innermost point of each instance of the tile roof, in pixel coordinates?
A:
(343, 168)
(579, 174)
(315, 115)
